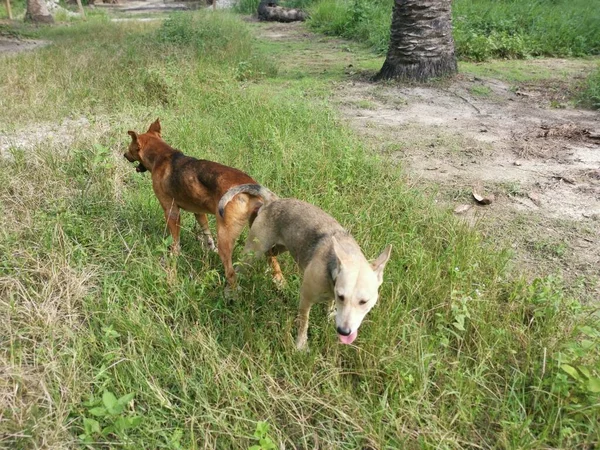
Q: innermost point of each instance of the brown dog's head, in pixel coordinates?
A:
(133, 151)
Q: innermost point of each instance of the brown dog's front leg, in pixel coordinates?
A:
(174, 224)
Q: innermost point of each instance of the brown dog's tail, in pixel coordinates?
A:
(253, 189)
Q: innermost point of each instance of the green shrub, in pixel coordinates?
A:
(364, 21)
(247, 6)
(517, 29)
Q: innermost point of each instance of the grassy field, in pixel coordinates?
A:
(107, 341)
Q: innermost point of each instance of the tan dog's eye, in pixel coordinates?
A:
(341, 298)
(362, 302)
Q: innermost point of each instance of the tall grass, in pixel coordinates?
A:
(93, 310)
(482, 29)
(591, 92)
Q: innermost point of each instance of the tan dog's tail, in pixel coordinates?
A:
(253, 189)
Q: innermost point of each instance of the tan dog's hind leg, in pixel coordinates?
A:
(208, 239)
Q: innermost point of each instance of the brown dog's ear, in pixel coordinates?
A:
(155, 127)
(133, 135)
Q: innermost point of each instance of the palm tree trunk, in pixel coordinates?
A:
(421, 43)
(37, 12)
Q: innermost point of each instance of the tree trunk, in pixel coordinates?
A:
(421, 43)
(37, 12)
(8, 10)
(80, 7)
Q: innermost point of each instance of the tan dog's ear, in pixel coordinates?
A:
(133, 135)
(379, 264)
(341, 255)
(155, 127)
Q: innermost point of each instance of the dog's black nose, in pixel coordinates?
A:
(343, 331)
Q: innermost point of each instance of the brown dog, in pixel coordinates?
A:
(183, 182)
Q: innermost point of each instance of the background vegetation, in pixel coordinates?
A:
(483, 29)
(107, 340)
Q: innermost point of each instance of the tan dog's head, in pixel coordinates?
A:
(137, 141)
(356, 288)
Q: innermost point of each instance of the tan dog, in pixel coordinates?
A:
(183, 182)
(334, 266)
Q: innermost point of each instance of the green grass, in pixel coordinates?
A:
(482, 29)
(102, 333)
(529, 70)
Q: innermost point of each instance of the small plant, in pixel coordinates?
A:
(111, 418)
(261, 434)
(591, 94)
(481, 91)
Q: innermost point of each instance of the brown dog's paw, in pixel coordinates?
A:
(232, 293)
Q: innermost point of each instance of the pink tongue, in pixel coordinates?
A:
(348, 339)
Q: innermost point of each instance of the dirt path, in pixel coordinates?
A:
(12, 45)
(520, 143)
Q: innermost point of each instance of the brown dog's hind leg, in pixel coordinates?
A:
(208, 240)
(228, 230)
(272, 256)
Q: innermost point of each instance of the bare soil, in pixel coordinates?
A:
(522, 144)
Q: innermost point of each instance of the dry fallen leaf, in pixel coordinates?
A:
(460, 209)
(535, 198)
(483, 200)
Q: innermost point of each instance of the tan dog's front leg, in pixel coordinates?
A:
(208, 239)
(303, 313)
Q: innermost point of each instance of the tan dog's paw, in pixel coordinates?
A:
(301, 342)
